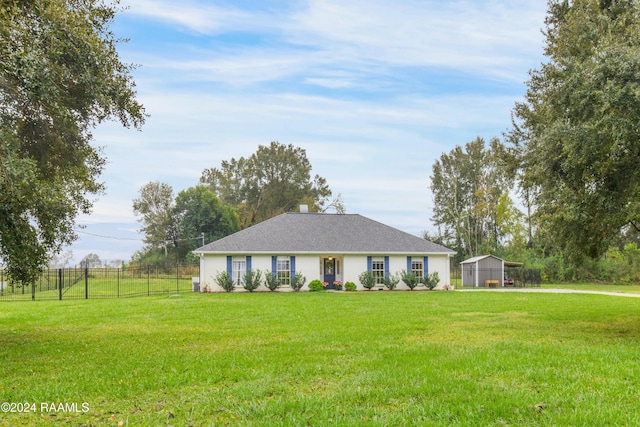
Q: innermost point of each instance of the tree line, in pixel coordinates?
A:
(571, 156)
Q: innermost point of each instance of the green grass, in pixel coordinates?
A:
(366, 358)
(113, 287)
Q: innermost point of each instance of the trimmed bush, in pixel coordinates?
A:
(431, 280)
(350, 286)
(410, 279)
(391, 281)
(316, 286)
(297, 282)
(224, 280)
(367, 279)
(252, 280)
(271, 280)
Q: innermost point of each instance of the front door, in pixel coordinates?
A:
(330, 272)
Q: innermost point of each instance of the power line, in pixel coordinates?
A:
(201, 237)
(108, 237)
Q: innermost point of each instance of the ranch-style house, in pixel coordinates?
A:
(334, 248)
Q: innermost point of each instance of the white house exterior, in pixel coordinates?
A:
(328, 247)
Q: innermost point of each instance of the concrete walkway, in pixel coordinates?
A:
(551, 291)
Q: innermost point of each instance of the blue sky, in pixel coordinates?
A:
(374, 91)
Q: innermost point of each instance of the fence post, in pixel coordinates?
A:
(60, 282)
(86, 283)
(148, 280)
(177, 278)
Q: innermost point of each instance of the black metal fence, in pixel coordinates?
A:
(494, 278)
(523, 277)
(108, 282)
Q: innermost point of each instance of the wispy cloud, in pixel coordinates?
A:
(359, 37)
(197, 17)
(374, 90)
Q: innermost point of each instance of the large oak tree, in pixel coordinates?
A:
(577, 133)
(60, 76)
(273, 180)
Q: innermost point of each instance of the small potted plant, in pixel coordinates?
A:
(337, 285)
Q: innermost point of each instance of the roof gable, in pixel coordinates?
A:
(322, 233)
(479, 258)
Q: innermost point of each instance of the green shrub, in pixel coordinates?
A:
(350, 286)
(252, 280)
(316, 286)
(367, 279)
(297, 282)
(271, 280)
(410, 279)
(391, 281)
(224, 280)
(431, 280)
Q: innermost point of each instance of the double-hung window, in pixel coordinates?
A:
(417, 268)
(377, 267)
(238, 270)
(283, 270)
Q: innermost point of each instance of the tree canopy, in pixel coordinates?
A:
(60, 76)
(155, 206)
(472, 207)
(198, 212)
(576, 134)
(177, 226)
(273, 180)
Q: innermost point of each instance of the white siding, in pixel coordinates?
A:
(311, 267)
(441, 265)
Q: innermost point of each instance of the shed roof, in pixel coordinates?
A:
(322, 233)
(479, 258)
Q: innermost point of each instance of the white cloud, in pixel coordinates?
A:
(109, 209)
(193, 16)
(493, 36)
(374, 91)
(364, 39)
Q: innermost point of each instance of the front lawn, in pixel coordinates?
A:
(366, 358)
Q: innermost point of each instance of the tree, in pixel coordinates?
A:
(91, 261)
(198, 213)
(273, 180)
(470, 194)
(576, 134)
(156, 206)
(60, 76)
(60, 260)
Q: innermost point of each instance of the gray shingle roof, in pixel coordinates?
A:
(322, 233)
